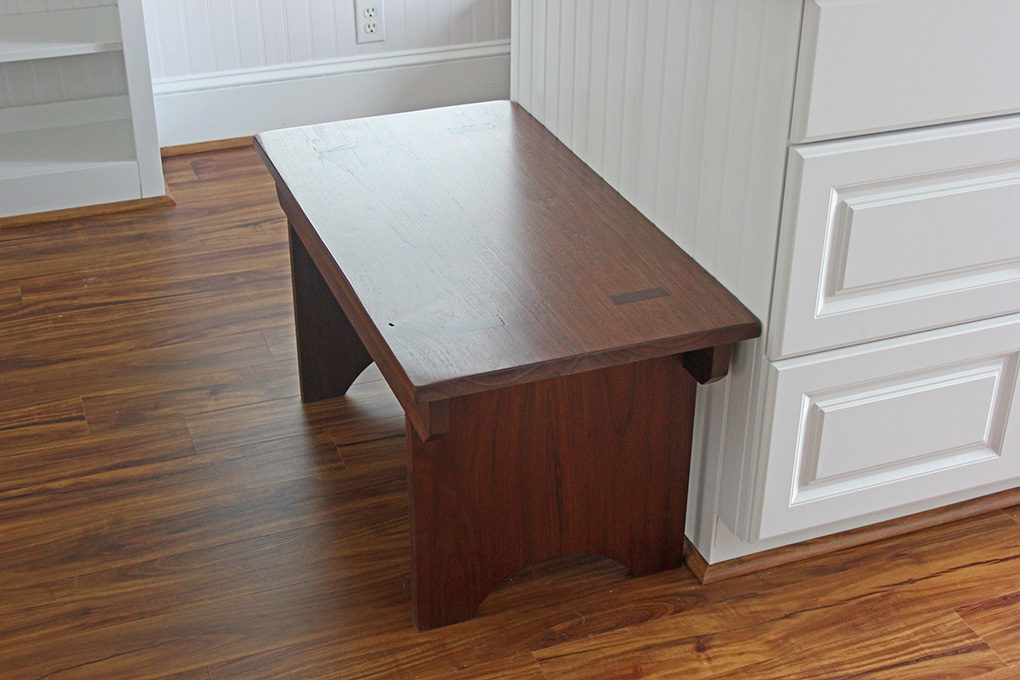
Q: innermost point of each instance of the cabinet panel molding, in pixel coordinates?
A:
(870, 428)
(891, 64)
(897, 234)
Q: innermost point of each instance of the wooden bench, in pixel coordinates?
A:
(542, 336)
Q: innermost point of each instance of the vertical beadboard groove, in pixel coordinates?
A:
(652, 110)
(635, 50)
(684, 107)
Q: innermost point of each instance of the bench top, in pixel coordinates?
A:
(476, 251)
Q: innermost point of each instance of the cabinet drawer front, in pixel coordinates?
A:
(897, 233)
(891, 64)
(892, 423)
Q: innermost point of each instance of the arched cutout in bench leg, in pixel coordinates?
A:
(330, 353)
(592, 463)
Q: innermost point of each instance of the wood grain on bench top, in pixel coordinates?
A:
(479, 252)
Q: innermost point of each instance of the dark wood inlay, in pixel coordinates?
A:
(638, 296)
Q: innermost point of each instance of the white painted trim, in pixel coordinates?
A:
(331, 67)
(139, 86)
(242, 103)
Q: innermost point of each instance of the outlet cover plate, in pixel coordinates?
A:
(369, 21)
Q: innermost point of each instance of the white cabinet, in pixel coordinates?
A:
(888, 236)
(77, 125)
(875, 65)
(897, 233)
(891, 423)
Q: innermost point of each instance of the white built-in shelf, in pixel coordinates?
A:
(40, 35)
(39, 152)
(86, 149)
(54, 168)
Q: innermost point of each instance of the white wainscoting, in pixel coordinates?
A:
(190, 37)
(236, 67)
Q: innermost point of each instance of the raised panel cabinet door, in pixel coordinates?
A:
(891, 423)
(897, 233)
(892, 64)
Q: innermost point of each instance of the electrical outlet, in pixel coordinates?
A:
(369, 21)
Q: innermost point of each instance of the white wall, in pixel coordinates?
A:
(227, 68)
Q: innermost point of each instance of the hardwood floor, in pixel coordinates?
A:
(170, 510)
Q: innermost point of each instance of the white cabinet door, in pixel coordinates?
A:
(897, 233)
(891, 423)
(875, 65)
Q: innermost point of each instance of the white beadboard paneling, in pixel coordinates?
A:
(198, 37)
(684, 107)
(198, 31)
(25, 83)
(274, 33)
(322, 30)
(247, 37)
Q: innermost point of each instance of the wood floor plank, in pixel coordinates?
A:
(10, 297)
(847, 640)
(370, 559)
(21, 426)
(1009, 673)
(385, 659)
(282, 341)
(107, 331)
(200, 393)
(937, 647)
(997, 621)
(133, 237)
(180, 274)
(36, 373)
(64, 460)
(367, 408)
(196, 636)
(177, 171)
(864, 595)
(194, 674)
(148, 511)
(136, 488)
(694, 610)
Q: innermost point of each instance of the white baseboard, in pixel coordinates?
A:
(239, 103)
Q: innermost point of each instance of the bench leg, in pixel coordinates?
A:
(593, 463)
(330, 355)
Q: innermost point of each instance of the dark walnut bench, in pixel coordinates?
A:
(542, 336)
